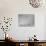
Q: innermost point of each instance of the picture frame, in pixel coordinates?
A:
(26, 20)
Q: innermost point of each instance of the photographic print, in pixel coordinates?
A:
(26, 20)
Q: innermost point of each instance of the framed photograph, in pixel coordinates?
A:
(26, 20)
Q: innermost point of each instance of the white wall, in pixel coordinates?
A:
(45, 27)
(12, 8)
